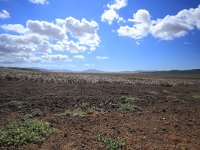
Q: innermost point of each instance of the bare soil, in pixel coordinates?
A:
(170, 116)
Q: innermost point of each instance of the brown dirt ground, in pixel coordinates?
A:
(163, 123)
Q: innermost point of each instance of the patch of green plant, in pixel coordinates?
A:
(15, 104)
(110, 143)
(28, 130)
(75, 112)
(129, 99)
(36, 112)
(129, 107)
(92, 110)
(80, 112)
(128, 104)
(196, 96)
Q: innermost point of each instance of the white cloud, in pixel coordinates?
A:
(20, 48)
(46, 29)
(57, 57)
(35, 59)
(39, 1)
(70, 46)
(39, 38)
(85, 31)
(14, 27)
(4, 14)
(102, 57)
(168, 28)
(89, 65)
(79, 56)
(176, 26)
(140, 29)
(20, 43)
(137, 43)
(110, 14)
(141, 16)
(118, 4)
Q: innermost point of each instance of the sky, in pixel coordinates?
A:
(109, 35)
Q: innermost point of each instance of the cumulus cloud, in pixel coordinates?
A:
(102, 57)
(57, 57)
(89, 65)
(176, 26)
(70, 46)
(79, 56)
(118, 4)
(42, 2)
(20, 48)
(85, 31)
(4, 14)
(110, 14)
(141, 27)
(23, 43)
(46, 29)
(168, 28)
(35, 59)
(14, 27)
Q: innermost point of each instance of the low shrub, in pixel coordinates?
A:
(80, 112)
(129, 107)
(15, 105)
(129, 99)
(28, 130)
(128, 104)
(110, 143)
(196, 96)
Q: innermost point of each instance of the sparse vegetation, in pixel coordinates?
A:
(126, 113)
(129, 104)
(15, 104)
(28, 130)
(80, 112)
(129, 99)
(75, 112)
(75, 78)
(110, 143)
(196, 96)
(36, 112)
(129, 107)
(152, 92)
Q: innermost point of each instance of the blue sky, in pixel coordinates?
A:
(110, 35)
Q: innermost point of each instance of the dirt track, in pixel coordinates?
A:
(170, 116)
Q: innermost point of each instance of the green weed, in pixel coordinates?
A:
(196, 96)
(128, 104)
(28, 130)
(129, 107)
(110, 143)
(129, 99)
(80, 112)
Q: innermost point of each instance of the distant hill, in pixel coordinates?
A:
(137, 71)
(93, 71)
(193, 71)
(52, 70)
(19, 68)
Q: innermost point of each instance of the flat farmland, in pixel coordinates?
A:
(102, 111)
